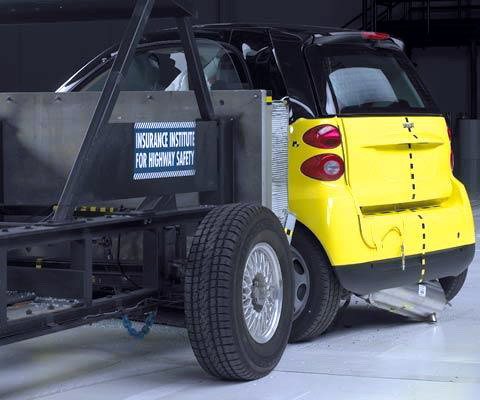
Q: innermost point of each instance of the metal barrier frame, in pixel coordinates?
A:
(78, 232)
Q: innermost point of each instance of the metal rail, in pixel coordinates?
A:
(375, 11)
(372, 12)
(100, 309)
(78, 278)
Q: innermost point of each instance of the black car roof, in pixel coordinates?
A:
(222, 32)
(306, 29)
(304, 32)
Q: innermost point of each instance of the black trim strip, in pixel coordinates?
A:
(377, 275)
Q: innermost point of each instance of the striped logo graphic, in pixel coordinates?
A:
(164, 150)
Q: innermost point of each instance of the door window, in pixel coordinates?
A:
(259, 57)
(165, 69)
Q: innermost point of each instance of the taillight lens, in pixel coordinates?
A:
(324, 167)
(323, 137)
(452, 157)
(375, 36)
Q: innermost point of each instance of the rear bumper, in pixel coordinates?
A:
(378, 275)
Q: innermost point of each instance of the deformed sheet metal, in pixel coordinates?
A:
(420, 302)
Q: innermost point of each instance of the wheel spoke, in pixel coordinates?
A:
(301, 284)
(262, 292)
(300, 279)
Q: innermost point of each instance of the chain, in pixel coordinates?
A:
(139, 334)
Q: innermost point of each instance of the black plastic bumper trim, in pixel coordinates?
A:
(378, 275)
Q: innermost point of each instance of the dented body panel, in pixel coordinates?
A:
(374, 213)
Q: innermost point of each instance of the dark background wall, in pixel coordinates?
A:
(446, 72)
(41, 57)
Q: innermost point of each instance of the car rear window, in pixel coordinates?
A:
(366, 79)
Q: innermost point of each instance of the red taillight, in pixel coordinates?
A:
(375, 36)
(323, 137)
(325, 167)
(452, 157)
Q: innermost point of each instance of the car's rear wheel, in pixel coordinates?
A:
(453, 284)
(317, 291)
(238, 292)
(301, 283)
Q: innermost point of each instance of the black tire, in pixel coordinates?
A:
(453, 284)
(213, 292)
(321, 305)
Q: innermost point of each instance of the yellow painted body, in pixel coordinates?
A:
(398, 196)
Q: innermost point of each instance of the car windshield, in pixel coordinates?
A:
(164, 68)
(367, 80)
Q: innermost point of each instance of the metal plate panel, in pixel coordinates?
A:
(44, 131)
(111, 169)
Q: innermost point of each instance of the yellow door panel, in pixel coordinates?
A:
(431, 158)
(376, 153)
(397, 160)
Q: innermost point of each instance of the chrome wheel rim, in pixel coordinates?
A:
(302, 283)
(262, 292)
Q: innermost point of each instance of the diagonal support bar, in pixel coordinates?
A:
(104, 109)
(195, 69)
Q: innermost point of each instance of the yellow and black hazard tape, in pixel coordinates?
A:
(269, 100)
(422, 275)
(93, 209)
(424, 249)
(101, 210)
(289, 232)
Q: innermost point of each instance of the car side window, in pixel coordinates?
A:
(164, 68)
(265, 73)
(258, 54)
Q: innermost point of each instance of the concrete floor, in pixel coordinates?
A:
(371, 355)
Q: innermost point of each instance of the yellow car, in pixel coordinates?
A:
(371, 179)
(370, 175)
